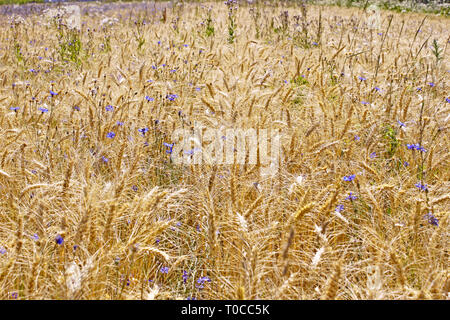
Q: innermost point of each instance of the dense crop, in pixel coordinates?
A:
(93, 205)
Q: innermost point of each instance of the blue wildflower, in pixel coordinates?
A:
(401, 123)
(52, 93)
(447, 100)
(406, 163)
(432, 219)
(35, 237)
(119, 123)
(339, 208)
(172, 97)
(201, 282)
(43, 110)
(109, 108)
(349, 178)
(164, 270)
(431, 84)
(362, 78)
(2, 250)
(14, 109)
(422, 187)
(149, 98)
(143, 131)
(185, 276)
(59, 239)
(351, 197)
(135, 188)
(111, 135)
(372, 155)
(357, 138)
(105, 159)
(170, 146)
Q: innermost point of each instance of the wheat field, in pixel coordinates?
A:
(92, 205)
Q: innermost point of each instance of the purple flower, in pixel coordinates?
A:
(406, 164)
(351, 197)
(362, 78)
(378, 89)
(110, 135)
(105, 159)
(143, 131)
(135, 188)
(201, 282)
(43, 110)
(109, 108)
(35, 237)
(52, 93)
(357, 138)
(14, 109)
(149, 98)
(170, 146)
(401, 123)
(415, 147)
(422, 187)
(349, 178)
(172, 97)
(119, 123)
(164, 270)
(432, 219)
(339, 208)
(59, 240)
(372, 155)
(365, 102)
(77, 108)
(431, 84)
(447, 100)
(2, 250)
(185, 276)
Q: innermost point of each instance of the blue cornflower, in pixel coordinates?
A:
(2, 250)
(372, 155)
(422, 187)
(14, 295)
(111, 135)
(14, 108)
(432, 219)
(149, 98)
(52, 93)
(401, 123)
(59, 239)
(349, 178)
(365, 102)
(431, 84)
(186, 45)
(339, 208)
(119, 123)
(43, 110)
(351, 197)
(143, 131)
(35, 237)
(378, 89)
(406, 163)
(77, 108)
(168, 145)
(185, 276)
(447, 100)
(315, 43)
(164, 270)
(105, 159)
(172, 97)
(135, 188)
(201, 282)
(357, 138)
(198, 89)
(173, 70)
(109, 108)
(362, 78)
(415, 147)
